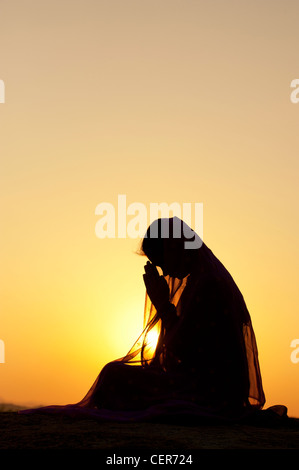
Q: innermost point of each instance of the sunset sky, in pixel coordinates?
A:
(161, 101)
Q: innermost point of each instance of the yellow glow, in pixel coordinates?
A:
(152, 340)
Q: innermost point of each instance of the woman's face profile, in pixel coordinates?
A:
(172, 260)
(170, 253)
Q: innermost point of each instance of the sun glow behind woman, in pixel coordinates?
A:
(152, 340)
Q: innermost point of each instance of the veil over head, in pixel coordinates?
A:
(143, 351)
(231, 305)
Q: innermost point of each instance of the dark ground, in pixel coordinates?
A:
(39, 431)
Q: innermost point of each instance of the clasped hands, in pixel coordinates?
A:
(156, 287)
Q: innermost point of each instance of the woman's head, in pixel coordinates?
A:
(165, 245)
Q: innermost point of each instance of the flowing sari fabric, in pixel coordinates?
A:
(204, 365)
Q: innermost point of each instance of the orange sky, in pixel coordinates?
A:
(163, 101)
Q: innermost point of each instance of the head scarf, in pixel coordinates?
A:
(206, 266)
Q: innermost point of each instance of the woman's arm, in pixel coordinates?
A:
(156, 286)
(158, 291)
(168, 315)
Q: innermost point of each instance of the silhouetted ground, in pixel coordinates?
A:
(39, 431)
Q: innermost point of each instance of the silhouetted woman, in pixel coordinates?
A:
(205, 361)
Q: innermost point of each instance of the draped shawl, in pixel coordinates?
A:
(209, 308)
